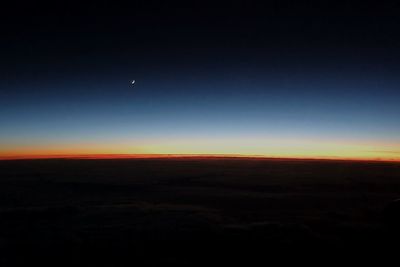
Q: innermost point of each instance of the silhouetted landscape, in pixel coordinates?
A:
(193, 211)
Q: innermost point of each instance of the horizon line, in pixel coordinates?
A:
(106, 156)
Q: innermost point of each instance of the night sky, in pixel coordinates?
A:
(278, 80)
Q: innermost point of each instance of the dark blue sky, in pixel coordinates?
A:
(285, 77)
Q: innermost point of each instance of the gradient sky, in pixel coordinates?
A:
(281, 82)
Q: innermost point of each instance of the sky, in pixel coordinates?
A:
(236, 79)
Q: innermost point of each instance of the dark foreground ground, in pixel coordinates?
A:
(194, 212)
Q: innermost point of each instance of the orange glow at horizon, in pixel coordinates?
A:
(260, 147)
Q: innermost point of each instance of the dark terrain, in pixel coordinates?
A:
(193, 211)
